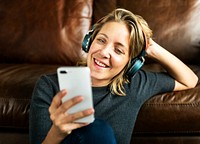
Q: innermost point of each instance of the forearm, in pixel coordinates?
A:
(184, 76)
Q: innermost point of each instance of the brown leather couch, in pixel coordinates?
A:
(38, 36)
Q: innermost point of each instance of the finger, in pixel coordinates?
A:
(59, 116)
(73, 126)
(68, 104)
(56, 102)
(69, 127)
(68, 124)
(75, 116)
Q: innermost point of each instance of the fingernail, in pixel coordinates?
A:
(64, 91)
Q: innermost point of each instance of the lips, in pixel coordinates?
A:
(100, 64)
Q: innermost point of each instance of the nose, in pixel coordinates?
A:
(106, 51)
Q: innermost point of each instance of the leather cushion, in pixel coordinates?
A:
(16, 86)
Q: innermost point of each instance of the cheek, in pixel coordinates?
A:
(92, 49)
(120, 62)
(89, 54)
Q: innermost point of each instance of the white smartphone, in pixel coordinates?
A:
(77, 82)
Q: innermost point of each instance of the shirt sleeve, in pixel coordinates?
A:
(39, 118)
(146, 84)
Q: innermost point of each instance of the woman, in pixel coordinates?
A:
(116, 48)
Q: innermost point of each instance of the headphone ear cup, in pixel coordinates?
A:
(87, 41)
(136, 64)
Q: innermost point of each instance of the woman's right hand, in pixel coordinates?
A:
(63, 123)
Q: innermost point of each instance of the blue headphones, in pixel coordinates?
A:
(136, 63)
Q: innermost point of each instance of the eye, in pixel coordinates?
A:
(119, 51)
(101, 40)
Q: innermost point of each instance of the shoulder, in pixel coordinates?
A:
(141, 76)
(50, 79)
(152, 81)
(46, 86)
(151, 76)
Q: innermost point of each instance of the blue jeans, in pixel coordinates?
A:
(98, 132)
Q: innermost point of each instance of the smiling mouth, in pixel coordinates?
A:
(100, 64)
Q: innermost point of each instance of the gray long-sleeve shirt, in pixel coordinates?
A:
(119, 111)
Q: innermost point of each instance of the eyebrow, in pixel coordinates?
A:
(103, 34)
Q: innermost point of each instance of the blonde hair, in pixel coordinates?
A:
(139, 35)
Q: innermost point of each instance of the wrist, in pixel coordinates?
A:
(155, 51)
(55, 137)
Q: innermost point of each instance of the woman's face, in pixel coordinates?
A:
(109, 53)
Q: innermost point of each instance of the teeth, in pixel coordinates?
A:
(100, 64)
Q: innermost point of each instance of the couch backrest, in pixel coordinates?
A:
(51, 32)
(175, 24)
(43, 31)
